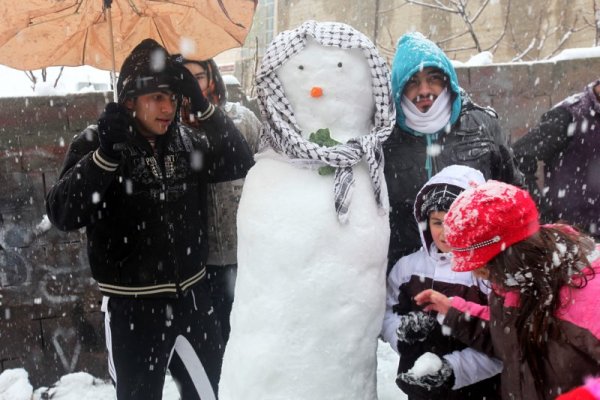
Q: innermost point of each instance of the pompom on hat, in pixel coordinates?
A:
(485, 220)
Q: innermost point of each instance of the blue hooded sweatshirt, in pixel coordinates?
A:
(414, 53)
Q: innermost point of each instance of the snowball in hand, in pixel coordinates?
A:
(427, 364)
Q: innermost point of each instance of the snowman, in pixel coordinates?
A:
(313, 226)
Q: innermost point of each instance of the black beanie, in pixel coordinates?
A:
(439, 197)
(146, 69)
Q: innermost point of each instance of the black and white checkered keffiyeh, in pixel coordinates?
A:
(282, 133)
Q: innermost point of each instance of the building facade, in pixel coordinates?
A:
(512, 30)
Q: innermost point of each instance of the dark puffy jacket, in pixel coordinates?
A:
(567, 140)
(146, 221)
(475, 140)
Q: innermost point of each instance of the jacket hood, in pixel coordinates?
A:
(460, 176)
(413, 53)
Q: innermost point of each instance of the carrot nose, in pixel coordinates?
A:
(316, 91)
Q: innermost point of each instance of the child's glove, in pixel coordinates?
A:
(115, 127)
(415, 327)
(444, 376)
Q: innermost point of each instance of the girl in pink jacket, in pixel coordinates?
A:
(543, 315)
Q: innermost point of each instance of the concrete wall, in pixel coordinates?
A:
(50, 322)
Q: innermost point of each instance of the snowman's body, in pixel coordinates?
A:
(310, 291)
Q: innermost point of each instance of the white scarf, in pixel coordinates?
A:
(431, 121)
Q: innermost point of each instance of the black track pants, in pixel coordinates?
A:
(221, 280)
(144, 337)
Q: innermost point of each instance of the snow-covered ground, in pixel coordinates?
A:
(14, 384)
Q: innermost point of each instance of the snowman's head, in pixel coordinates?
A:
(324, 75)
(329, 87)
(329, 73)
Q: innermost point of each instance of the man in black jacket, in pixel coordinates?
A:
(567, 140)
(138, 183)
(437, 125)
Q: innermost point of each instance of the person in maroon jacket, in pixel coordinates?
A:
(542, 319)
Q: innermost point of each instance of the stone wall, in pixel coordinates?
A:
(50, 322)
(522, 92)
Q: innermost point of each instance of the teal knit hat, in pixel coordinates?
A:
(415, 52)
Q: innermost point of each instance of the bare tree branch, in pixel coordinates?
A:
(478, 13)
(459, 7)
(439, 6)
(59, 75)
(565, 37)
(545, 32)
(457, 49)
(462, 11)
(520, 56)
(393, 8)
(387, 51)
(449, 38)
(494, 46)
(30, 75)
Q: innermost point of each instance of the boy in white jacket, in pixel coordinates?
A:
(453, 371)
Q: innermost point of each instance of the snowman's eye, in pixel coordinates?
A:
(300, 67)
(340, 65)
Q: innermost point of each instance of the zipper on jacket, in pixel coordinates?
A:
(160, 160)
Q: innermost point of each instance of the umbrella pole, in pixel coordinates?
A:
(107, 4)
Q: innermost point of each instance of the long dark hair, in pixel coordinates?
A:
(538, 267)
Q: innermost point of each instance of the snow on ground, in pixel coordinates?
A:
(387, 366)
(14, 384)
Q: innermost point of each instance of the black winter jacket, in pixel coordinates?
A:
(146, 221)
(475, 140)
(567, 140)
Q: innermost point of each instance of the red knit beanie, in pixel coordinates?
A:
(485, 220)
(589, 391)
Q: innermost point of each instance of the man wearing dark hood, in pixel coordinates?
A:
(567, 140)
(437, 125)
(137, 181)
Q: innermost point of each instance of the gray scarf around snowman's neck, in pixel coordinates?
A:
(282, 133)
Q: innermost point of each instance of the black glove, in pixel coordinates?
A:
(188, 86)
(415, 327)
(442, 377)
(115, 128)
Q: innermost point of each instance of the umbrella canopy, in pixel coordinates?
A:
(42, 33)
